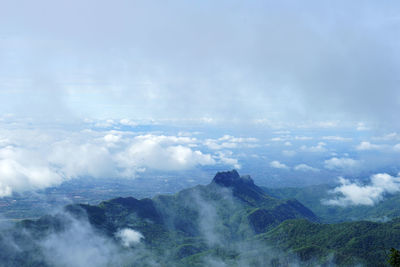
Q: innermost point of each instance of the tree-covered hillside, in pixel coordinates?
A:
(229, 222)
(348, 244)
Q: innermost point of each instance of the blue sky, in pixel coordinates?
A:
(297, 90)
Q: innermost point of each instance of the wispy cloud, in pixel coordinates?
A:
(337, 138)
(365, 145)
(305, 168)
(396, 147)
(388, 137)
(362, 127)
(340, 163)
(320, 147)
(276, 164)
(289, 153)
(228, 142)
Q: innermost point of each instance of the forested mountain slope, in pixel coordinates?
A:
(229, 222)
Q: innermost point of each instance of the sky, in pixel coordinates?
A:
(83, 77)
(225, 60)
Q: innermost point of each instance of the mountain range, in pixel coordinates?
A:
(229, 222)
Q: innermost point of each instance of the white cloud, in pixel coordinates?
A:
(320, 147)
(361, 127)
(340, 163)
(229, 142)
(43, 159)
(303, 138)
(226, 158)
(396, 147)
(4, 142)
(328, 124)
(79, 245)
(160, 153)
(388, 137)
(287, 143)
(215, 145)
(237, 139)
(127, 122)
(104, 123)
(349, 193)
(73, 160)
(280, 138)
(22, 170)
(165, 140)
(365, 145)
(289, 153)
(286, 132)
(129, 237)
(305, 168)
(112, 138)
(276, 164)
(336, 138)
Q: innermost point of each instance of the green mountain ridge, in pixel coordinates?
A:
(229, 222)
(229, 194)
(352, 243)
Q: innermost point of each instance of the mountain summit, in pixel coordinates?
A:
(232, 178)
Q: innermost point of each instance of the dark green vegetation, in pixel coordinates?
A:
(349, 243)
(29, 205)
(311, 197)
(394, 257)
(230, 222)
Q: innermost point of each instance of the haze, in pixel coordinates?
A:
(292, 92)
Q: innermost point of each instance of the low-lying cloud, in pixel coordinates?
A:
(24, 170)
(79, 245)
(228, 142)
(32, 160)
(365, 145)
(277, 165)
(340, 163)
(162, 153)
(353, 193)
(320, 147)
(129, 237)
(66, 241)
(305, 168)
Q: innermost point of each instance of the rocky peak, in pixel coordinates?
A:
(231, 178)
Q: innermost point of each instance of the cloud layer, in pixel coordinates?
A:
(167, 61)
(32, 160)
(350, 193)
(340, 163)
(277, 165)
